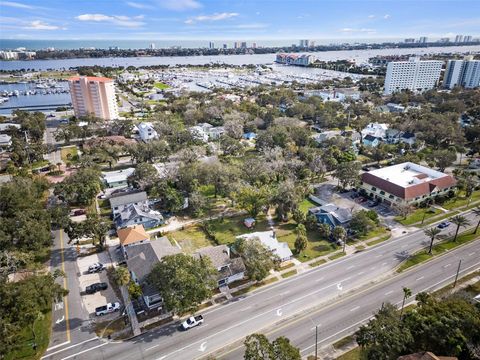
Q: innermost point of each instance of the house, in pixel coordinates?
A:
(141, 259)
(216, 132)
(405, 183)
(138, 215)
(132, 236)
(120, 202)
(392, 136)
(332, 215)
(426, 355)
(408, 138)
(5, 141)
(8, 126)
(326, 135)
(147, 132)
(116, 179)
(269, 240)
(370, 140)
(395, 108)
(375, 129)
(229, 270)
(200, 131)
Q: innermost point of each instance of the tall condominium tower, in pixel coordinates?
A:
(464, 73)
(93, 96)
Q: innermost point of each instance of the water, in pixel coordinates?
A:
(32, 100)
(360, 56)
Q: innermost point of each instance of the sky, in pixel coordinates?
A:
(237, 19)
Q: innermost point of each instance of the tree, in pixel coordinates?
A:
(60, 216)
(96, 228)
(311, 221)
(406, 294)
(339, 234)
(257, 258)
(183, 281)
(443, 158)
(299, 216)
(347, 173)
(325, 230)
(476, 211)
(432, 234)
(144, 177)
(404, 209)
(198, 204)
(301, 241)
(81, 187)
(460, 221)
(286, 198)
(361, 223)
(121, 276)
(252, 199)
(258, 347)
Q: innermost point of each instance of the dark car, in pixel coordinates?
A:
(92, 289)
(443, 225)
(79, 212)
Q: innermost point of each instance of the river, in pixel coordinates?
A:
(360, 56)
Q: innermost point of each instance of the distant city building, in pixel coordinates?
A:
(113, 48)
(152, 46)
(304, 43)
(254, 45)
(18, 54)
(409, 40)
(415, 75)
(243, 45)
(444, 40)
(459, 38)
(467, 38)
(236, 45)
(312, 43)
(211, 45)
(294, 59)
(225, 46)
(93, 95)
(464, 73)
(423, 39)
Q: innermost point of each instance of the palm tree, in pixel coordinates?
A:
(122, 276)
(476, 211)
(460, 221)
(406, 294)
(432, 234)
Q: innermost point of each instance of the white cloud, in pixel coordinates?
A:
(137, 5)
(371, 16)
(16, 5)
(179, 5)
(41, 25)
(362, 30)
(386, 16)
(213, 17)
(251, 26)
(119, 20)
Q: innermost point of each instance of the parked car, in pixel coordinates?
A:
(92, 289)
(372, 203)
(79, 212)
(443, 224)
(107, 309)
(192, 321)
(94, 268)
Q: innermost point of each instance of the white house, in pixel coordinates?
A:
(269, 240)
(376, 130)
(146, 131)
(117, 178)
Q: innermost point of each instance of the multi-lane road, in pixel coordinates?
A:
(337, 297)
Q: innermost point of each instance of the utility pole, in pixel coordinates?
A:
(458, 271)
(316, 341)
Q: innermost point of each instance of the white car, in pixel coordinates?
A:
(192, 321)
(107, 309)
(94, 268)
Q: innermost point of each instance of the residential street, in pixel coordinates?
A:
(259, 311)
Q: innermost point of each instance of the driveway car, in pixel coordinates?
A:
(107, 309)
(444, 224)
(92, 289)
(96, 267)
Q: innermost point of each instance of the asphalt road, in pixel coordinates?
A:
(263, 309)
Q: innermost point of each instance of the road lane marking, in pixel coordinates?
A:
(350, 267)
(385, 263)
(355, 308)
(472, 253)
(58, 306)
(285, 292)
(203, 346)
(60, 320)
(372, 268)
(68, 348)
(57, 346)
(420, 278)
(152, 347)
(245, 309)
(65, 298)
(445, 266)
(320, 279)
(86, 350)
(361, 273)
(389, 292)
(279, 312)
(339, 286)
(378, 256)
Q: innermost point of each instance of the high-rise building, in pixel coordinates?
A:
(464, 73)
(236, 45)
(459, 38)
(243, 45)
(254, 45)
(467, 38)
(444, 40)
(152, 46)
(225, 46)
(211, 45)
(409, 40)
(422, 39)
(304, 43)
(312, 43)
(415, 75)
(93, 95)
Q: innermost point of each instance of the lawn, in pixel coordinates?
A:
(377, 231)
(289, 273)
(42, 329)
(68, 153)
(336, 256)
(190, 239)
(378, 241)
(461, 201)
(354, 354)
(417, 216)
(306, 204)
(439, 248)
(161, 86)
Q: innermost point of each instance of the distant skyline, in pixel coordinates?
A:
(237, 19)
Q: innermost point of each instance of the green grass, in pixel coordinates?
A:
(42, 329)
(190, 239)
(380, 240)
(39, 164)
(437, 249)
(441, 217)
(417, 216)
(306, 204)
(161, 86)
(318, 263)
(255, 286)
(289, 273)
(359, 247)
(287, 266)
(461, 201)
(377, 231)
(354, 354)
(68, 152)
(336, 256)
(342, 342)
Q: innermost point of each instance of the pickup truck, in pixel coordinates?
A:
(107, 309)
(192, 321)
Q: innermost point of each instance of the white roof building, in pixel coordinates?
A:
(146, 131)
(269, 240)
(117, 178)
(375, 129)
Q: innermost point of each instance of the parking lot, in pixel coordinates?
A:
(92, 301)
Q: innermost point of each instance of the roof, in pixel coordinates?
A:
(370, 138)
(6, 126)
(132, 211)
(408, 180)
(219, 255)
(408, 135)
(268, 239)
(142, 258)
(91, 78)
(425, 355)
(117, 176)
(130, 198)
(341, 214)
(131, 235)
(5, 139)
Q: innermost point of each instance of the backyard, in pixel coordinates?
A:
(68, 152)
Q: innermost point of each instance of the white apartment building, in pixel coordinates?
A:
(464, 73)
(93, 95)
(146, 131)
(415, 75)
